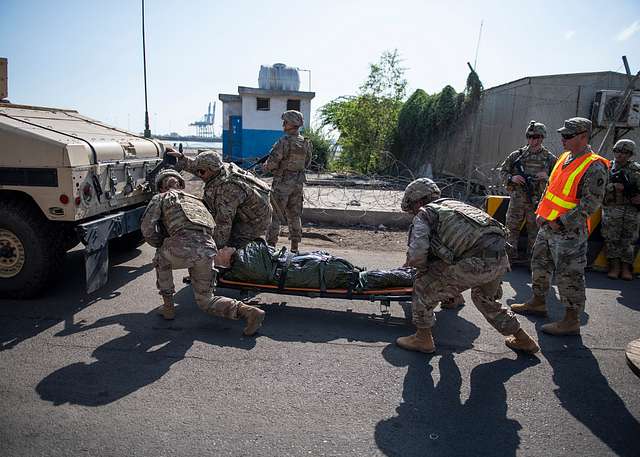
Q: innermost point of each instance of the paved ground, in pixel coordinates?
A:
(102, 375)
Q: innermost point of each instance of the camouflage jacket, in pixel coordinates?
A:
(174, 213)
(289, 157)
(232, 195)
(632, 172)
(532, 163)
(590, 192)
(450, 230)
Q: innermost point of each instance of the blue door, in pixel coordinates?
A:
(235, 125)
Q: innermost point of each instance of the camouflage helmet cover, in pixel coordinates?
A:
(536, 128)
(417, 190)
(293, 117)
(211, 160)
(625, 145)
(165, 174)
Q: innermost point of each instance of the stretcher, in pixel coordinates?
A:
(384, 297)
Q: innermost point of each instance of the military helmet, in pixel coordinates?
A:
(625, 145)
(536, 128)
(417, 190)
(293, 117)
(211, 160)
(165, 174)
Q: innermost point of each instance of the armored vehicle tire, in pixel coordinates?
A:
(30, 250)
(127, 242)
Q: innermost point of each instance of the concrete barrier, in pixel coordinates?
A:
(346, 217)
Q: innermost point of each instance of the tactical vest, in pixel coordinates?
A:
(257, 190)
(460, 227)
(533, 163)
(295, 153)
(632, 171)
(181, 210)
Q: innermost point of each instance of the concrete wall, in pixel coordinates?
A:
(506, 111)
(480, 142)
(254, 119)
(230, 109)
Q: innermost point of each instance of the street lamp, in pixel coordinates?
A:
(147, 130)
(302, 69)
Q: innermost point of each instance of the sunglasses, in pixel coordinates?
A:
(568, 136)
(534, 137)
(620, 151)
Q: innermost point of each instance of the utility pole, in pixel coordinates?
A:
(147, 130)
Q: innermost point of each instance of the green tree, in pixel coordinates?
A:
(367, 122)
(322, 148)
(425, 119)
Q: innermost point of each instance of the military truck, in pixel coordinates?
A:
(66, 178)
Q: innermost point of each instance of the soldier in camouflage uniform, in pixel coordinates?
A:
(620, 211)
(561, 245)
(180, 227)
(524, 173)
(287, 161)
(454, 247)
(239, 202)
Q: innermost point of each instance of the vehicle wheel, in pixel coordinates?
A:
(30, 250)
(127, 242)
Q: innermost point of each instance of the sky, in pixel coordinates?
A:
(87, 54)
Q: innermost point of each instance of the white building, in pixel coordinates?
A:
(251, 120)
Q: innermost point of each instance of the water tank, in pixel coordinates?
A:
(278, 77)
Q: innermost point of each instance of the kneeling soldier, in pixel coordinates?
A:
(454, 247)
(180, 227)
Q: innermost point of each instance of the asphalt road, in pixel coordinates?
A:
(103, 375)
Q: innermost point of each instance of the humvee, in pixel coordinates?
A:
(66, 178)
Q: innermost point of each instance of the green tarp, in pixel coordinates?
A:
(257, 263)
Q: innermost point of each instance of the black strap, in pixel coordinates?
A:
(284, 268)
(323, 284)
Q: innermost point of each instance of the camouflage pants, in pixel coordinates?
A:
(620, 231)
(565, 253)
(286, 196)
(520, 210)
(440, 281)
(243, 232)
(202, 281)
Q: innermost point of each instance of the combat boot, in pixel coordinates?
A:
(536, 306)
(521, 341)
(614, 269)
(627, 271)
(569, 325)
(452, 303)
(294, 245)
(421, 341)
(168, 309)
(254, 317)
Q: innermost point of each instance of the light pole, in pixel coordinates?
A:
(147, 130)
(302, 69)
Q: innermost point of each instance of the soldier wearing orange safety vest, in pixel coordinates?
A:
(575, 190)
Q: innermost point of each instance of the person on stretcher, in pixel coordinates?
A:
(260, 264)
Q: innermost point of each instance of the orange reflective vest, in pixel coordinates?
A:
(562, 190)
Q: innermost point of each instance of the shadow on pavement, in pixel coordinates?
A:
(585, 393)
(24, 319)
(432, 420)
(132, 361)
(152, 345)
(522, 288)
